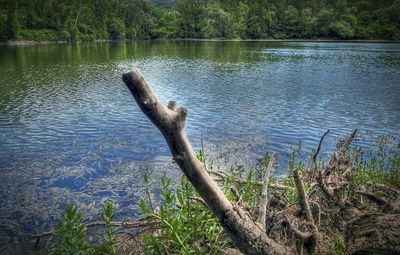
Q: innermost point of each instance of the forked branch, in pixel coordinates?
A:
(248, 237)
(170, 121)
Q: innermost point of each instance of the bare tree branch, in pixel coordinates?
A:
(171, 121)
(314, 158)
(302, 196)
(348, 141)
(262, 213)
(200, 200)
(134, 224)
(248, 237)
(375, 198)
(237, 195)
(222, 175)
(306, 208)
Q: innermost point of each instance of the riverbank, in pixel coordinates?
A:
(337, 40)
(180, 221)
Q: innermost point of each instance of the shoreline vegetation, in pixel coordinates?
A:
(179, 222)
(346, 205)
(27, 43)
(73, 21)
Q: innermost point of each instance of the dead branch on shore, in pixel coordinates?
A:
(280, 230)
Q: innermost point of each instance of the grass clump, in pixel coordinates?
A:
(108, 235)
(70, 234)
(185, 225)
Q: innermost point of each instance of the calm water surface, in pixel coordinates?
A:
(71, 132)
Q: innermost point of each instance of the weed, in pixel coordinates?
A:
(108, 236)
(70, 234)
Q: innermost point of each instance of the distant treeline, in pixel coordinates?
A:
(79, 20)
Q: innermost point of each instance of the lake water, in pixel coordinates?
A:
(71, 132)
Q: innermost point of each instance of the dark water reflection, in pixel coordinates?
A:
(71, 132)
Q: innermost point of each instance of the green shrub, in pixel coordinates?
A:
(117, 29)
(39, 35)
(70, 234)
(108, 236)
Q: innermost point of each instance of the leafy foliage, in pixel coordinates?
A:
(140, 19)
(186, 226)
(70, 234)
(108, 236)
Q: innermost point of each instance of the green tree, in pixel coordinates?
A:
(116, 29)
(13, 26)
(218, 22)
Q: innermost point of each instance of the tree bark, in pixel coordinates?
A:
(373, 233)
(170, 120)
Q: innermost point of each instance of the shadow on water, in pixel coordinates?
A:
(70, 131)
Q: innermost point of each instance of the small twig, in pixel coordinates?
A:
(304, 236)
(387, 189)
(237, 195)
(270, 185)
(135, 224)
(200, 200)
(314, 158)
(218, 173)
(348, 172)
(204, 153)
(223, 176)
(262, 213)
(323, 186)
(318, 213)
(376, 199)
(348, 141)
(302, 196)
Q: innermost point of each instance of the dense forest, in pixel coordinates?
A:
(81, 20)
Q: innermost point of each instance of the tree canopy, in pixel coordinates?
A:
(80, 20)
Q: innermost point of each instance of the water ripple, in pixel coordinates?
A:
(71, 132)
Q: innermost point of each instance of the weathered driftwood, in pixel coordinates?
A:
(170, 120)
(322, 216)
